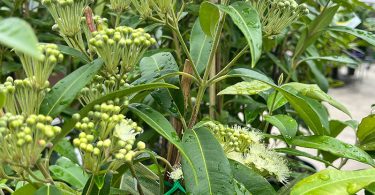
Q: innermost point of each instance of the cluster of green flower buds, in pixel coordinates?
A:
(102, 86)
(163, 7)
(23, 139)
(106, 136)
(67, 15)
(97, 24)
(120, 5)
(143, 7)
(23, 96)
(234, 139)
(39, 70)
(246, 147)
(122, 46)
(276, 15)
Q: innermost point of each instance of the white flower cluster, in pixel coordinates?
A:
(245, 146)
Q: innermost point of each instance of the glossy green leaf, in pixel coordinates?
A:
(147, 180)
(66, 149)
(161, 125)
(336, 126)
(26, 189)
(333, 181)
(67, 171)
(247, 20)
(18, 34)
(313, 91)
(102, 185)
(48, 190)
(73, 52)
(200, 47)
(69, 124)
(312, 112)
(366, 133)
(320, 78)
(209, 17)
(340, 59)
(286, 124)
(245, 88)
(333, 146)
(369, 37)
(67, 89)
(211, 165)
(252, 181)
(315, 28)
(65, 189)
(294, 152)
(166, 98)
(275, 101)
(249, 75)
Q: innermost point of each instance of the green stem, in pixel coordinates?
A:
(45, 172)
(90, 185)
(118, 18)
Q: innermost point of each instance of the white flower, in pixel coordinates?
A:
(125, 132)
(176, 173)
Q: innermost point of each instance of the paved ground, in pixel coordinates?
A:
(358, 95)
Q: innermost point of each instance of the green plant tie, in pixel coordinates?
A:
(176, 186)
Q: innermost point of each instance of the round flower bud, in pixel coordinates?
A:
(99, 144)
(28, 138)
(107, 143)
(128, 157)
(76, 142)
(123, 151)
(83, 140)
(42, 143)
(20, 142)
(83, 146)
(141, 145)
(119, 156)
(128, 147)
(82, 135)
(121, 143)
(96, 151)
(57, 129)
(89, 148)
(90, 138)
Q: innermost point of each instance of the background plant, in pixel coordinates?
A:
(200, 84)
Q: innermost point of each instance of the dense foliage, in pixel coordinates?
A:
(174, 97)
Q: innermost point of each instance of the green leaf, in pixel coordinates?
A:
(48, 190)
(161, 125)
(69, 124)
(65, 189)
(275, 101)
(246, 88)
(26, 189)
(320, 78)
(332, 181)
(313, 91)
(341, 59)
(286, 124)
(211, 164)
(253, 182)
(166, 98)
(247, 20)
(312, 112)
(333, 146)
(67, 89)
(18, 34)
(73, 52)
(294, 152)
(102, 184)
(66, 149)
(209, 17)
(366, 133)
(147, 180)
(249, 75)
(337, 126)
(66, 170)
(369, 37)
(315, 28)
(200, 47)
